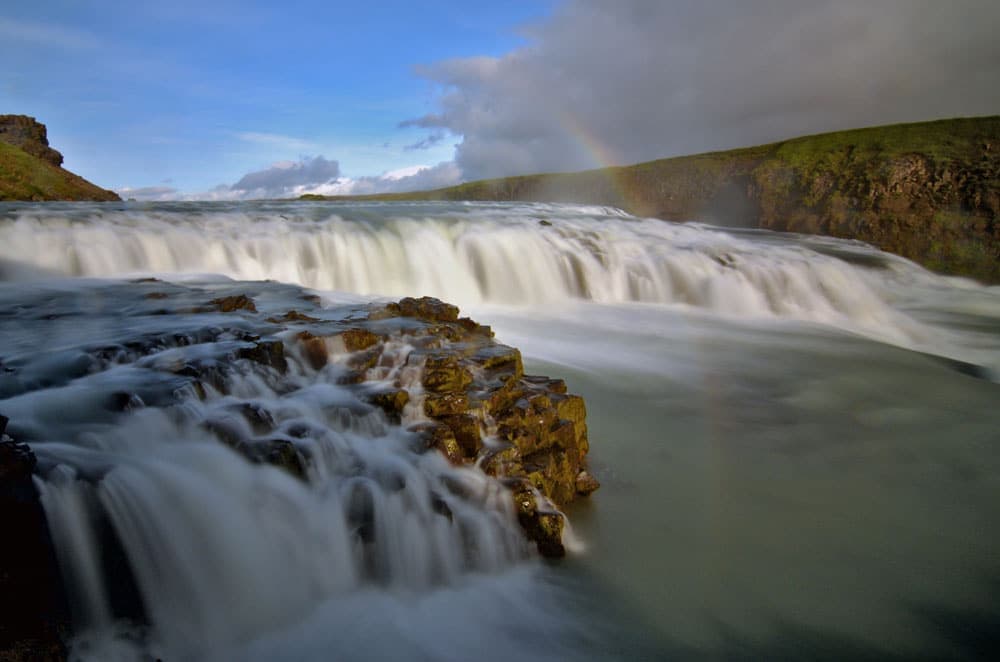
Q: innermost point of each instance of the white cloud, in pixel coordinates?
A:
(318, 175)
(413, 178)
(621, 82)
(285, 178)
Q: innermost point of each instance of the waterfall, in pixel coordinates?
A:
(153, 518)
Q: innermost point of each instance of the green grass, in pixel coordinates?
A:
(26, 177)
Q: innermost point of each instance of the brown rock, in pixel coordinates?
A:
(391, 402)
(313, 349)
(266, 352)
(425, 308)
(543, 526)
(586, 483)
(233, 303)
(444, 374)
(447, 404)
(439, 437)
(292, 316)
(466, 429)
(356, 339)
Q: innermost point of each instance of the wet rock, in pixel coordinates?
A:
(468, 433)
(233, 303)
(585, 483)
(34, 614)
(474, 328)
(496, 356)
(266, 352)
(391, 402)
(542, 525)
(448, 404)
(365, 360)
(444, 374)
(292, 316)
(436, 436)
(314, 349)
(503, 462)
(474, 386)
(260, 419)
(425, 308)
(356, 339)
(280, 453)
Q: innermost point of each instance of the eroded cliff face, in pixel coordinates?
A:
(31, 170)
(30, 135)
(941, 213)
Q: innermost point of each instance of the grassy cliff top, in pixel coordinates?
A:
(939, 141)
(27, 177)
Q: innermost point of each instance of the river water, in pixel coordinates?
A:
(798, 440)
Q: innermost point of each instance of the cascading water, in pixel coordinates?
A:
(486, 254)
(751, 394)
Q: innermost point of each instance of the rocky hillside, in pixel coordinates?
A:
(929, 191)
(31, 170)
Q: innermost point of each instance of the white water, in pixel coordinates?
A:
(222, 550)
(734, 381)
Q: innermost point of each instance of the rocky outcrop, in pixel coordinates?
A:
(443, 378)
(472, 403)
(928, 191)
(34, 618)
(31, 170)
(29, 135)
(525, 430)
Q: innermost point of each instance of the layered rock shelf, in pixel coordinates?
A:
(415, 364)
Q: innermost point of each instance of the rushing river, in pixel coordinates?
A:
(798, 440)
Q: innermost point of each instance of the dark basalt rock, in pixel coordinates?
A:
(266, 352)
(34, 616)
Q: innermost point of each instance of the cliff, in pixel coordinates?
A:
(31, 170)
(928, 191)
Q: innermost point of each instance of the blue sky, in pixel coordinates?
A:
(219, 99)
(194, 94)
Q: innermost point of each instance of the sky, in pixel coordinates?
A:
(228, 100)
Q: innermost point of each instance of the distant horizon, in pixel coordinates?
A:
(252, 102)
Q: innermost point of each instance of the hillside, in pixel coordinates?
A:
(31, 170)
(928, 191)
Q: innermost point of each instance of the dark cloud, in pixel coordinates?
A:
(632, 80)
(287, 178)
(428, 142)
